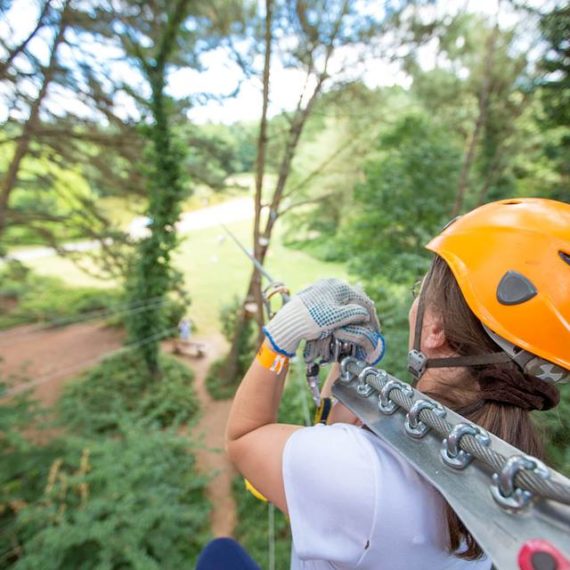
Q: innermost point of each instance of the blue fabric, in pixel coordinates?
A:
(225, 554)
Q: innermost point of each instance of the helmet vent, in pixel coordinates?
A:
(514, 289)
(565, 257)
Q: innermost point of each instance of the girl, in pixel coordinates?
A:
(489, 337)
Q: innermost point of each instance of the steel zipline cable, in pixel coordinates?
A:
(8, 338)
(50, 376)
(378, 379)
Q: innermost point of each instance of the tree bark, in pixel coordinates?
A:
(260, 163)
(152, 275)
(483, 106)
(254, 292)
(263, 238)
(10, 179)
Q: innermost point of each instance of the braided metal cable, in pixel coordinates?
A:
(528, 480)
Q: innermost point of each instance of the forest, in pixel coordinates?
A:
(138, 142)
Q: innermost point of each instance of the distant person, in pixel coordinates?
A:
(185, 330)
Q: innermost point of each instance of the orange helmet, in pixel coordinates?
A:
(511, 260)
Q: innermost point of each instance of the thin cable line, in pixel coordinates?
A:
(271, 534)
(96, 312)
(50, 376)
(10, 340)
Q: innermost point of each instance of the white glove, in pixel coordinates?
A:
(321, 310)
(368, 342)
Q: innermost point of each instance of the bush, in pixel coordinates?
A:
(556, 425)
(247, 340)
(218, 386)
(121, 387)
(218, 389)
(133, 501)
(24, 467)
(121, 494)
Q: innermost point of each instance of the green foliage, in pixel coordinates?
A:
(121, 387)
(297, 407)
(392, 304)
(555, 26)
(228, 319)
(556, 425)
(24, 467)
(151, 275)
(46, 189)
(555, 95)
(217, 388)
(219, 151)
(28, 297)
(404, 200)
(133, 501)
(122, 492)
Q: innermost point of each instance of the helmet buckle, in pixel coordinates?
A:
(417, 363)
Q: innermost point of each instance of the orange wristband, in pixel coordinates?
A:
(272, 360)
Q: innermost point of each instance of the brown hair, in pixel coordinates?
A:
(472, 393)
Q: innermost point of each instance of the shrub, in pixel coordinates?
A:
(121, 387)
(133, 501)
(122, 494)
(218, 389)
(247, 340)
(556, 425)
(217, 384)
(24, 466)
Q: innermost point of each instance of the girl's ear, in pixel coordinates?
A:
(433, 335)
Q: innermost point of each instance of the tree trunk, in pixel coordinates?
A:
(490, 177)
(10, 179)
(258, 248)
(483, 107)
(152, 277)
(254, 292)
(263, 238)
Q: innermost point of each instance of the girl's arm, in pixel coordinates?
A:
(254, 440)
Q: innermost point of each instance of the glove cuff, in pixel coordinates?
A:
(274, 345)
(289, 326)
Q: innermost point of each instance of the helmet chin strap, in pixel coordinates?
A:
(418, 362)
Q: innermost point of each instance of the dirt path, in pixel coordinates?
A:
(210, 431)
(51, 357)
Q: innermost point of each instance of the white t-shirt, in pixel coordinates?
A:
(353, 503)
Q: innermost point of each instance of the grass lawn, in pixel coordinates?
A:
(215, 270)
